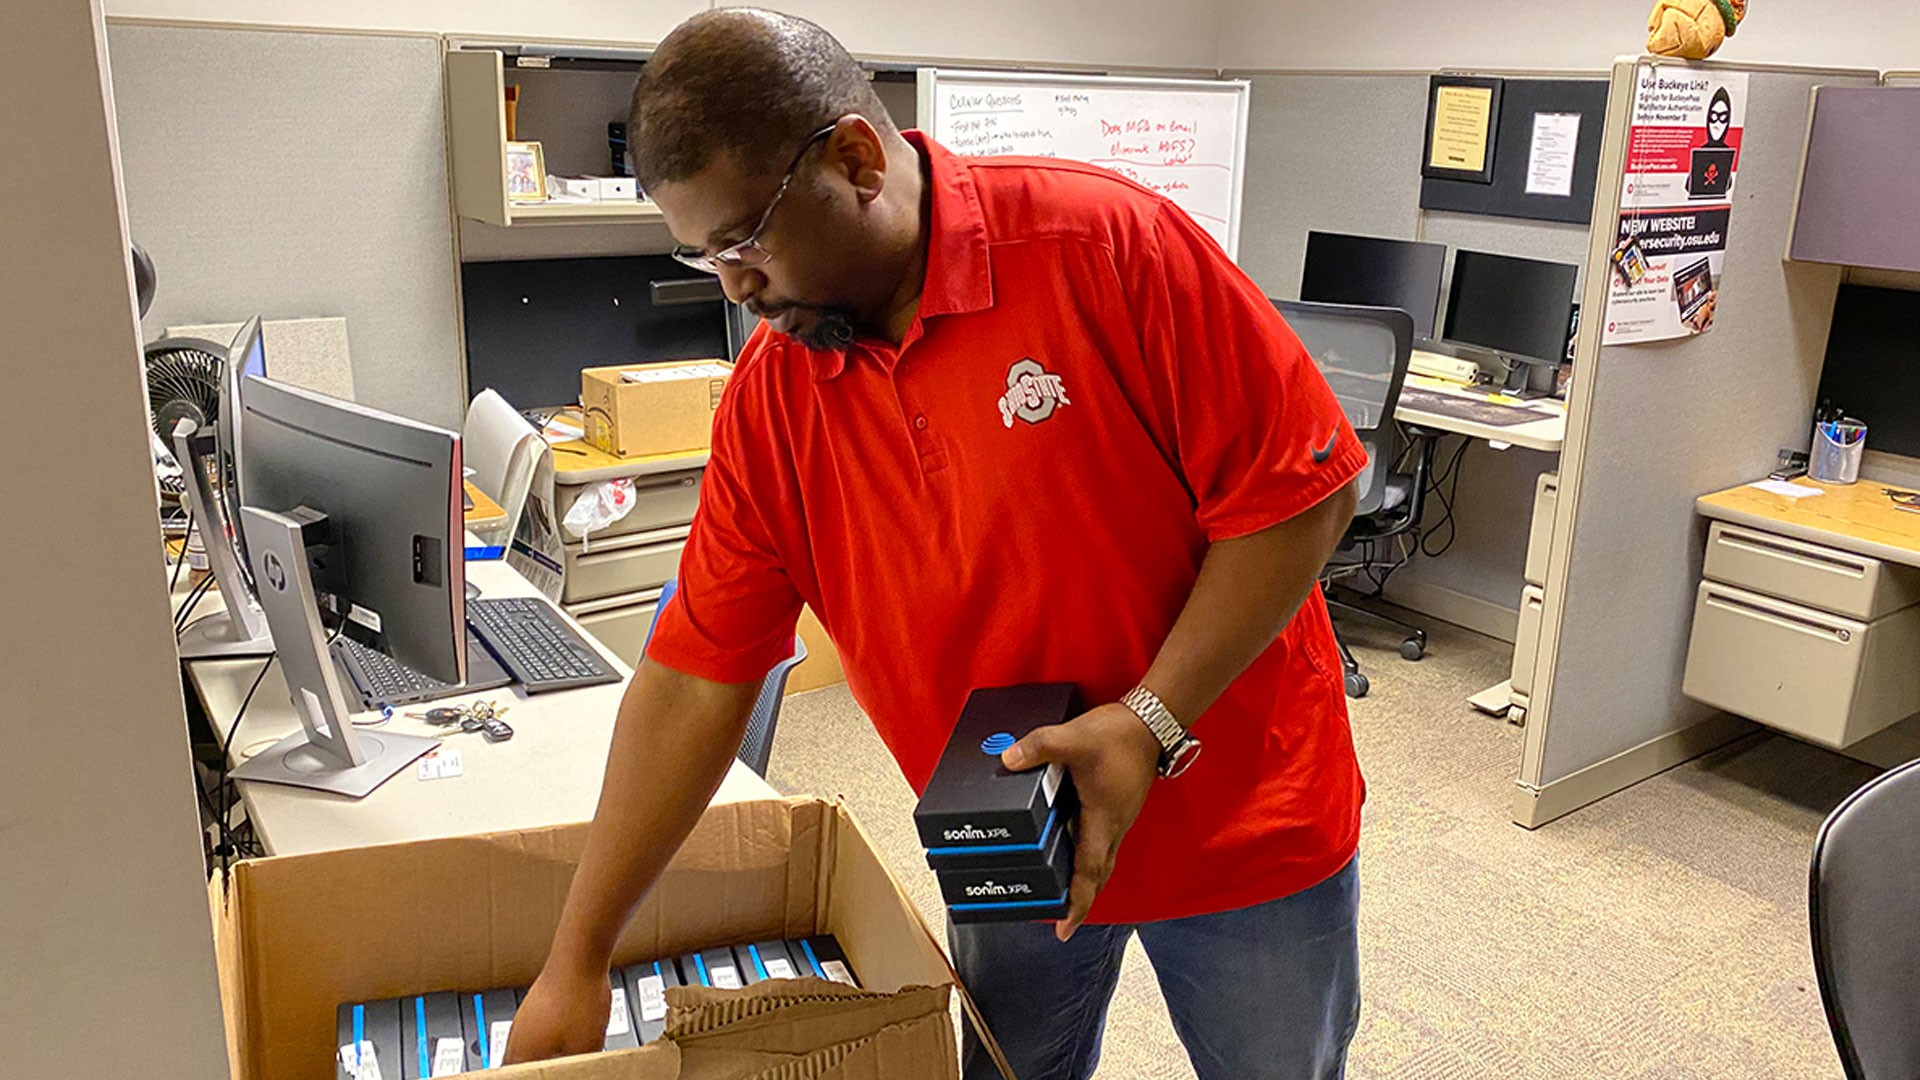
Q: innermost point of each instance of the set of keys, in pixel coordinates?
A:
(481, 716)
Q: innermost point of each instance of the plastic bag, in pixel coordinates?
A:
(601, 506)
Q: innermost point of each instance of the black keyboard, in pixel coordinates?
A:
(536, 645)
(381, 680)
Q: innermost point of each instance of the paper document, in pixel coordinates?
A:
(1781, 487)
(1550, 162)
(675, 374)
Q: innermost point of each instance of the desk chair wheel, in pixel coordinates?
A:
(1356, 685)
(1414, 647)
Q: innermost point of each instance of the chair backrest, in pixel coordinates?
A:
(1864, 892)
(502, 449)
(1363, 352)
(756, 747)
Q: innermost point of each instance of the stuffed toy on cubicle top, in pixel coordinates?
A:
(1692, 29)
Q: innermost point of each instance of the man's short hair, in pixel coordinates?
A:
(752, 82)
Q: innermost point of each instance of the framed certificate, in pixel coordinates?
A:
(1463, 115)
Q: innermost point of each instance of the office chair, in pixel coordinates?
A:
(503, 450)
(756, 747)
(1363, 353)
(1863, 887)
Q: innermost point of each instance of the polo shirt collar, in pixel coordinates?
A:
(959, 275)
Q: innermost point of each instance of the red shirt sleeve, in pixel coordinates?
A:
(1258, 435)
(733, 615)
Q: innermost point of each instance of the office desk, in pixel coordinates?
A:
(486, 514)
(1852, 517)
(547, 774)
(1544, 434)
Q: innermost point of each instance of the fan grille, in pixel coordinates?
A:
(183, 383)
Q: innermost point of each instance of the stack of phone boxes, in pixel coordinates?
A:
(1001, 842)
(444, 1034)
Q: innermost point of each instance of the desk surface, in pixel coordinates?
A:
(486, 513)
(1852, 517)
(1544, 434)
(578, 462)
(547, 774)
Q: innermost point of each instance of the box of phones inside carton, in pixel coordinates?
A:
(633, 410)
(296, 936)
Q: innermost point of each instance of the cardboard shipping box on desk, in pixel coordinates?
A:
(665, 408)
(297, 935)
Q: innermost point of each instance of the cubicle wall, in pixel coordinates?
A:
(1371, 185)
(1651, 428)
(293, 174)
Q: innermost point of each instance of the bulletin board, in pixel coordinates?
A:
(1539, 151)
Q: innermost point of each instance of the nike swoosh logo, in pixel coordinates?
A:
(1321, 455)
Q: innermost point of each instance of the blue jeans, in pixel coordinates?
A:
(1267, 991)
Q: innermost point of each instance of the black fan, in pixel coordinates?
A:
(183, 383)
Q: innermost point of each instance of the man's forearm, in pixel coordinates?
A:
(1248, 590)
(672, 744)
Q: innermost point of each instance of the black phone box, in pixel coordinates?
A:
(647, 995)
(369, 1038)
(973, 803)
(433, 1041)
(1004, 882)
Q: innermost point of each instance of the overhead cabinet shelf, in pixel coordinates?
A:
(477, 132)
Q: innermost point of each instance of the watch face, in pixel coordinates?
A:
(1181, 757)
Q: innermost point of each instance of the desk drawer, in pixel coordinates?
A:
(1826, 678)
(628, 564)
(1821, 577)
(1526, 638)
(620, 622)
(660, 501)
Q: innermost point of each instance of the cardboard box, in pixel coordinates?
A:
(668, 410)
(974, 803)
(297, 935)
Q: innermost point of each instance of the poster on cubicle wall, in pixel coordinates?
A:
(1683, 157)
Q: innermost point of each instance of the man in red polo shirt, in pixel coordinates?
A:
(1007, 421)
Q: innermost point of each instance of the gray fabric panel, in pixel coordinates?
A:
(1330, 152)
(1673, 421)
(296, 175)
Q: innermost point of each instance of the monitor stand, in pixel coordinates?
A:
(327, 754)
(240, 630)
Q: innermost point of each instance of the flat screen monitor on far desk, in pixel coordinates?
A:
(1519, 307)
(1377, 272)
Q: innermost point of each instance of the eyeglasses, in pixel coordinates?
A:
(748, 252)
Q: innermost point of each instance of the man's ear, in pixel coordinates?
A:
(856, 151)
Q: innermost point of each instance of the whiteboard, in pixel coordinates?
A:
(1184, 138)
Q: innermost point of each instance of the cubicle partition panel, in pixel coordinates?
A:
(1326, 151)
(292, 174)
(1650, 428)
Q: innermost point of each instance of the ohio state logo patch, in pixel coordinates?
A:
(1032, 394)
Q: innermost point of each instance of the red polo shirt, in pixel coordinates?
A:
(1023, 491)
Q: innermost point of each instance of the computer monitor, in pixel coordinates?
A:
(353, 520)
(1521, 307)
(1371, 270)
(210, 460)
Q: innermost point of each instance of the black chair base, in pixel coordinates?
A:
(1412, 647)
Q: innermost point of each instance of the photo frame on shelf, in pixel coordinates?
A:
(526, 172)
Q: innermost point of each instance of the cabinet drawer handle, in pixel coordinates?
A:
(1838, 633)
(1768, 546)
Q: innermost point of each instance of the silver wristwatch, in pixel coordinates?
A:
(1177, 748)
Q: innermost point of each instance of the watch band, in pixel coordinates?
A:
(1159, 719)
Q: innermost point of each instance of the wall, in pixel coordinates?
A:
(105, 940)
(1426, 34)
(1099, 32)
(292, 175)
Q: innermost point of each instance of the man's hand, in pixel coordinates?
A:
(565, 1013)
(1113, 758)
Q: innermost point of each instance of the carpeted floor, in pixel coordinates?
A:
(1660, 933)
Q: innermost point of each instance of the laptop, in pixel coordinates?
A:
(1691, 287)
